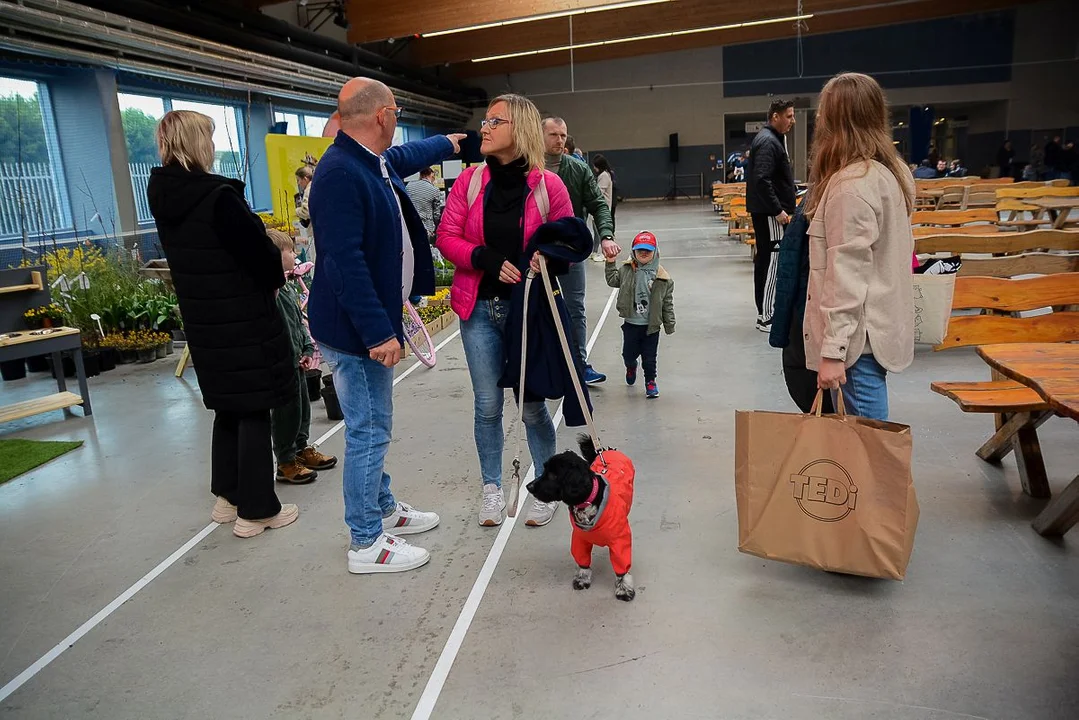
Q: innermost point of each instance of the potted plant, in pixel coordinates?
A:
(13, 369)
(162, 340)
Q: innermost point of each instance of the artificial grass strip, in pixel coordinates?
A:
(19, 456)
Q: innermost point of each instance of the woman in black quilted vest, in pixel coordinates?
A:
(226, 272)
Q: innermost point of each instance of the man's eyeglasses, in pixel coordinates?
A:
(396, 110)
(493, 122)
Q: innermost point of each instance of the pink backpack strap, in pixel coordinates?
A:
(543, 200)
(475, 183)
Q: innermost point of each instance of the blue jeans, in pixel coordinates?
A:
(573, 285)
(865, 393)
(484, 338)
(365, 390)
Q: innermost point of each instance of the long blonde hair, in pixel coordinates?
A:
(853, 126)
(186, 137)
(527, 128)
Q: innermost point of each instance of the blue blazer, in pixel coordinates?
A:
(355, 302)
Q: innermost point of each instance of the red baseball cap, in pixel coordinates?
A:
(645, 241)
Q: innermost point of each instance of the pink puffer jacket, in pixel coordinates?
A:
(461, 229)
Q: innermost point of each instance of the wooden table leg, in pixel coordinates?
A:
(185, 355)
(1000, 444)
(1061, 514)
(1028, 458)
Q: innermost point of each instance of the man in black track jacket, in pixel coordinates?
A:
(770, 202)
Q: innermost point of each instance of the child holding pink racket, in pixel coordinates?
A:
(297, 462)
(646, 303)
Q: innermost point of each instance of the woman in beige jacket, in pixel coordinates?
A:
(859, 321)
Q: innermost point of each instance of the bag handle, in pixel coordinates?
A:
(818, 404)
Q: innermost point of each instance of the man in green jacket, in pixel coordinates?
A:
(587, 199)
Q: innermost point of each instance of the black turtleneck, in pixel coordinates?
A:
(503, 225)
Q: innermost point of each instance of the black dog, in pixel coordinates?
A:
(598, 488)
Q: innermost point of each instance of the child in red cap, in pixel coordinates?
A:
(645, 302)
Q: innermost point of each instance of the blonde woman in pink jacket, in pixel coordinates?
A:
(859, 320)
(485, 227)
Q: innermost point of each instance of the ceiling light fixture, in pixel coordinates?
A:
(638, 38)
(545, 16)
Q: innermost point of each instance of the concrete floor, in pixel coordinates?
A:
(985, 625)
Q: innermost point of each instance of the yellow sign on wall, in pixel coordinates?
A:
(285, 154)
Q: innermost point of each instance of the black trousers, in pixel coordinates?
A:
(768, 232)
(242, 463)
(637, 343)
(801, 381)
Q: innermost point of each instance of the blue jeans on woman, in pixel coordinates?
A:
(865, 393)
(365, 390)
(484, 338)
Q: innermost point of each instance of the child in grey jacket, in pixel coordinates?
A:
(645, 302)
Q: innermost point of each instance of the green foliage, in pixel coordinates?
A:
(22, 131)
(139, 133)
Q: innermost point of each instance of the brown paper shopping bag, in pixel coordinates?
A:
(832, 492)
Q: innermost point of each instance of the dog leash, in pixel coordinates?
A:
(564, 342)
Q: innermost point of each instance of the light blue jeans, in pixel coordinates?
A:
(365, 390)
(865, 393)
(484, 338)
(573, 289)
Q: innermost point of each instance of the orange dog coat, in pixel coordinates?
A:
(611, 527)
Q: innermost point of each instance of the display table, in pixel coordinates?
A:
(49, 341)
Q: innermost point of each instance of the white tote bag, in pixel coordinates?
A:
(932, 307)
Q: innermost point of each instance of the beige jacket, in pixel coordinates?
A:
(860, 245)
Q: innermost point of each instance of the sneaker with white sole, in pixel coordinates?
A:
(250, 528)
(407, 520)
(224, 512)
(388, 554)
(494, 503)
(540, 514)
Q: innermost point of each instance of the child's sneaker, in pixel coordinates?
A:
(295, 473)
(651, 390)
(312, 459)
(631, 375)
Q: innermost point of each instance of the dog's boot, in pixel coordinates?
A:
(583, 579)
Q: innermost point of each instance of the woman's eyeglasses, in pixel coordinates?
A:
(493, 122)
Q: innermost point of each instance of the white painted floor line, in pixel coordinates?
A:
(456, 639)
(90, 624)
(42, 662)
(341, 425)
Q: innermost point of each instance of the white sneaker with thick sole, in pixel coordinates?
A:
(250, 528)
(540, 514)
(407, 520)
(494, 503)
(224, 512)
(388, 554)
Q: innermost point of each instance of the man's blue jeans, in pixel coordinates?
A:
(573, 287)
(365, 390)
(865, 393)
(484, 338)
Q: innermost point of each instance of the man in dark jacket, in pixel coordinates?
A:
(770, 200)
(586, 197)
(372, 255)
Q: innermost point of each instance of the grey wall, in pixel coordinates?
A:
(633, 104)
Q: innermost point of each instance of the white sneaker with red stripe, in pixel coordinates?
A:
(388, 554)
(407, 520)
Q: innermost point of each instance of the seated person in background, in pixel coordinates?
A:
(925, 171)
(942, 168)
(1029, 173)
(956, 169)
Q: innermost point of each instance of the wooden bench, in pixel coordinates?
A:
(959, 222)
(1016, 253)
(1019, 410)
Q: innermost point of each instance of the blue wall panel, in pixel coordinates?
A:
(949, 51)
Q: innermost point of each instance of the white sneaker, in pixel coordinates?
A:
(598, 257)
(540, 514)
(406, 520)
(224, 512)
(494, 502)
(388, 554)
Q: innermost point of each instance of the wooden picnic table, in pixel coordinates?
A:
(1059, 209)
(1052, 370)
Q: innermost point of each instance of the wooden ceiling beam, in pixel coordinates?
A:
(373, 21)
(822, 24)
